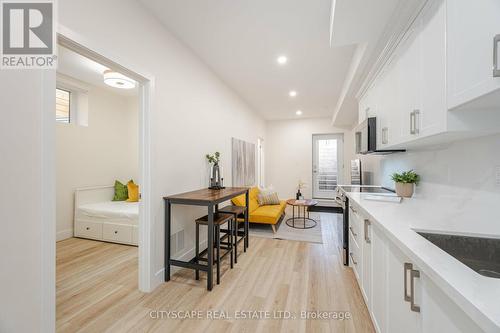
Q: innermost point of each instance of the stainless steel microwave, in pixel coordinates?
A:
(366, 138)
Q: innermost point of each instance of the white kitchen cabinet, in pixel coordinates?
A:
(379, 279)
(407, 71)
(440, 314)
(471, 29)
(443, 62)
(431, 116)
(401, 317)
(366, 280)
(355, 250)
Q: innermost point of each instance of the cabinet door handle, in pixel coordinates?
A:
(414, 274)
(353, 233)
(352, 258)
(412, 122)
(408, 267)
(385, 137)
(367, 224)
(496, 71)
(416, 120)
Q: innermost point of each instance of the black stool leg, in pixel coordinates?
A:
(235, 230)
(231, 247)
(217, 231)
(245, 237)
(247, 231)
(197, 250)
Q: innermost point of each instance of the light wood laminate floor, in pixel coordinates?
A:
(97, 290)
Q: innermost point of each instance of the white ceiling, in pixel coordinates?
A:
(88, 71)
(241, 39)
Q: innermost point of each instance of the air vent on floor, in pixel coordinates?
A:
(177, 242)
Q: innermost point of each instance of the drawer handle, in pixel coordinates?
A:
(352, 258)
(353, 233)
(367, 239)
(408, 267)
(88, 228)
(414, 274)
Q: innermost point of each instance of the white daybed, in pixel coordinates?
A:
(98, 217)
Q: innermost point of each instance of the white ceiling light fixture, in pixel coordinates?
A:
(117, 80)
(292, 93)
(282, 60)
(298, 113)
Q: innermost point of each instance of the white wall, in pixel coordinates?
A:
(27, 239)
(288, 149)
(460, 175)
(98, 154)
(193, 111)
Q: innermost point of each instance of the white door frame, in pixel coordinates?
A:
(340, 161)
(101, 54)
(260, 162)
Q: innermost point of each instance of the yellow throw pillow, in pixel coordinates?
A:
(133, 192)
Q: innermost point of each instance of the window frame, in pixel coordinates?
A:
(79, 92)
(70, 106)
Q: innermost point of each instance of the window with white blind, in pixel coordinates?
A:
(63, 109)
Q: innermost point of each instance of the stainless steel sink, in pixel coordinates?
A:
(480, 254)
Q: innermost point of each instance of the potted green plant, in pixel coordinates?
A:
(405, 183)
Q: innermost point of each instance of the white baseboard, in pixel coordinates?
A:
(64, 234)
(159, 277)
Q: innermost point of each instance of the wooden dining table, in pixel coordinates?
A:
(205, 197)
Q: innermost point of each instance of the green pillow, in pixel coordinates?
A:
(121, 192)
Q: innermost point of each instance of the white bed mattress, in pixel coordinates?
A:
(111, 210)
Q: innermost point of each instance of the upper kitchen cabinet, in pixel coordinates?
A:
(437, 84)
(473, 33)
(431, 117)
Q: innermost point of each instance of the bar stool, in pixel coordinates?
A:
(237, 211)
(219, 219)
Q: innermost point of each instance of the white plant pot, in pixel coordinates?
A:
(404, 190)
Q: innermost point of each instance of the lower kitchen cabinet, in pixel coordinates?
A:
(399, 295)
(440, 314)
(402, 317)
(379, 280)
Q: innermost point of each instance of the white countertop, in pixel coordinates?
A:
(476, 295)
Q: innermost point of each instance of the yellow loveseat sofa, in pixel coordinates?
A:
(269, 214)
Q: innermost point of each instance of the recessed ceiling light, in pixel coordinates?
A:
(298, 113)
(117, 80)
(292, 93)
(282, 60)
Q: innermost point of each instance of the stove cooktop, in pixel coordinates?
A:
(365, 189)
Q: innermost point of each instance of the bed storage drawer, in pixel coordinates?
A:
(135, 235)
(120, 233)
(88, 229)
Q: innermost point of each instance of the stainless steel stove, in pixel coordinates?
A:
(342, 199)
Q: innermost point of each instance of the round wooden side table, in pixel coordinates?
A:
(301, 222)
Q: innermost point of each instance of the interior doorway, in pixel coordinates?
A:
(327, 168)
(144, 93)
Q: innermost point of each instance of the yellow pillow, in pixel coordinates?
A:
(133, 192)
(252, 200)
